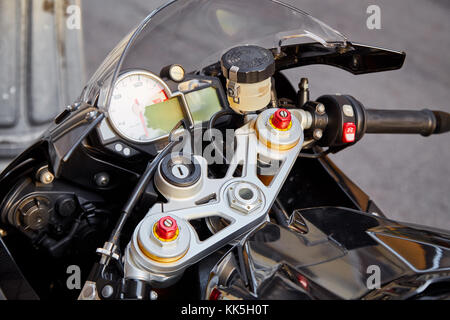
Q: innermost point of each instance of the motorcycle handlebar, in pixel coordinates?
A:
(346, 120)
(425, 122)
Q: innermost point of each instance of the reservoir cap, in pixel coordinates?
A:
(255, 64)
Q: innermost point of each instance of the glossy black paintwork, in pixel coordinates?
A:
(355, 58)
(318, 183)
(13, 285)
(327, 253)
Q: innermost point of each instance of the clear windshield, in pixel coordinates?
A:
(195, 34)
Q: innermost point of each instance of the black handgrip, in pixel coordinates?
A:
(423, 122)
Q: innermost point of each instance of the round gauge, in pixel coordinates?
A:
(133, 93)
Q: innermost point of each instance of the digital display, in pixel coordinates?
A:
(203, 104)
(161, 118)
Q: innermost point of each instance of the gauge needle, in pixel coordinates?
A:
(141, 116)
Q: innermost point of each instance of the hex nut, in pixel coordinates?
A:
(244, 197)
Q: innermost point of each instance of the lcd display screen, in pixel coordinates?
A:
(203, 104)
(161, 118)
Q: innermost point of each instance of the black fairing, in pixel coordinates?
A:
(330, 253)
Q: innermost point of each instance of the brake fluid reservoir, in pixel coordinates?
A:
(248, 70)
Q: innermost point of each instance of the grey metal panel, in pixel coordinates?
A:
(41, 68)
(44, 100)
(9, 60)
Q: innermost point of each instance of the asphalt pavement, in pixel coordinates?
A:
(407, 176)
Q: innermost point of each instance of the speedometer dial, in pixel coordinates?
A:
(133, 93)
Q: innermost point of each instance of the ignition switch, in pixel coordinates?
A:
(179, 176)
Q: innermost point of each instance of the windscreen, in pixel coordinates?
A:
(195, 34)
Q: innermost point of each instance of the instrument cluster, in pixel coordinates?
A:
(144, 109)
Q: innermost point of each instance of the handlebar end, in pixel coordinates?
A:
(442, 122)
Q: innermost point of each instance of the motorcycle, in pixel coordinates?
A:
(191, 168)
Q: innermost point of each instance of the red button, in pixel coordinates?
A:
(215, 295)
(282, 119)
(349, 135)
(167, 228)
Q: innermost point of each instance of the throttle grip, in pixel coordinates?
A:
(424, 122)
(346, 121)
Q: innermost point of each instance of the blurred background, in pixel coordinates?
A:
(407, 176)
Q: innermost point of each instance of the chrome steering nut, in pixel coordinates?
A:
(244, 197)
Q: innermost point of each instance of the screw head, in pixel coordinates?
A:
(168, 223)
(102, 179)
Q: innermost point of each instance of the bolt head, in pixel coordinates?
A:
(91, 115)
(304, 84)
(107, 291)
(74, 107)
(45, 176)
(166, 229)
(282, 119)
(153, 295)
(318, 134)
(320, 109)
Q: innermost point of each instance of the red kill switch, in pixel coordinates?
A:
(349, 133)
(282, 119)
(167, 228)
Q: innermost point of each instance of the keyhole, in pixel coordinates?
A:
(180, 171)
